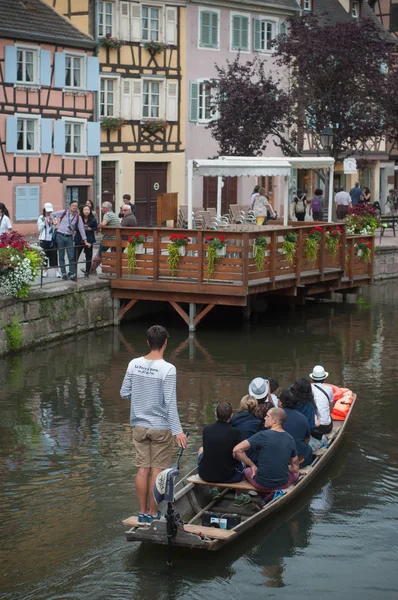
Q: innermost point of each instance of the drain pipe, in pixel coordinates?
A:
(96, 116)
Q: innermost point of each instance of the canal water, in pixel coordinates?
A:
(66, 466)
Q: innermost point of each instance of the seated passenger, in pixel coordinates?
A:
(323, 396)
(215, 459)
(278, 465)
(261, 412)
(274, 388)
(302, 390)
(246, 420)
(297, 425)
(259, 389)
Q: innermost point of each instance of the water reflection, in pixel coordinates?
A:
(66, 461)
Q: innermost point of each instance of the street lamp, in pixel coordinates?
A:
(327, 138)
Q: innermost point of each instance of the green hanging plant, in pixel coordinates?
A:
(259, 247)
(132, 241)
(289, 245)
(217, 243)
(332, 240)
(312, 243)
(177, 241)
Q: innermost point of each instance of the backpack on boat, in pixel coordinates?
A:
(316, 205)
(300, 206)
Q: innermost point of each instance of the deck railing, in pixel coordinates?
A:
(238, 267)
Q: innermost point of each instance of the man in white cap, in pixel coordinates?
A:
(323, 396)
(259, 389)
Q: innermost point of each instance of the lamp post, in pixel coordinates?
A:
(327, 141)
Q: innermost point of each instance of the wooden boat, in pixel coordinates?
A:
(193, 499)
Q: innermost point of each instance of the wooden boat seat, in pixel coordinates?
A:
(241, 485)
(210, 532)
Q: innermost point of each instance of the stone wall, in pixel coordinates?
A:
(55, 311)
(386, 263)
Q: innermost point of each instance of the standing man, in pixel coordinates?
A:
(110, 219)
(343, 202)
(127, 200)
(150, 385)
(128, 219)
(356, 194)
(68, 223)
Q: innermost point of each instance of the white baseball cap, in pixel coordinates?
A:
(48, 207)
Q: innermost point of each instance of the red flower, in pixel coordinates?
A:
(369, 244)
(222, 238)
(208, 239)
(129, 239)
(188, 239)
(136, 234)
(334, 233)
(145, 235)
(362, 241)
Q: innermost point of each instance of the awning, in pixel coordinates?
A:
(296, 162)
(229, 167)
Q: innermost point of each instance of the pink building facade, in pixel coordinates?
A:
(215, 35)
(48, 136)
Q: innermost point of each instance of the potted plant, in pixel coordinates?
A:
(259, 247)
(312, 243)
(135, 245)
(155, 47)
(364, 249)
(332, 240)
(289, 245)
(217, 249)
(20, 263)
(154, 125)
(176, 248)
(111, 42)
(362, 219)
(112, 123)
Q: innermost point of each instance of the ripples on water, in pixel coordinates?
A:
(66, 467)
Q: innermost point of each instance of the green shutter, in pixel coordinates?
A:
(204, 28)
(256, 35)
(282, 28)
(236, 32)
(193, 101)
(245, 33)
(214, 30)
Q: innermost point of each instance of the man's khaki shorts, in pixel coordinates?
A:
(153, 447)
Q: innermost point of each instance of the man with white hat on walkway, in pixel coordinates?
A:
(323, 396)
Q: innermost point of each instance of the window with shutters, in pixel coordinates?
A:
(74, 71)
(27, 202)
(240, 27)
(209, 23)
(105, 19)
(355, 10)
(151, 99)
(204, 104)
(151, 23)
(28, 129)
(27, 65)
(264, 32)
(75, 137)
(108, 97)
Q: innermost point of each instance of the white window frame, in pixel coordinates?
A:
(275, 29)
(116, 95)
(215, 10)
(355, 9)
(240, 14)
(115, 9)
(200, 83)
(36, 119)
(162, 26)
(83, 141)
(307, 4)
(36, 65)
(162, 98)
(83, 59)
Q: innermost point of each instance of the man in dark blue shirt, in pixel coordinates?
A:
(298, 426)
(356, 194)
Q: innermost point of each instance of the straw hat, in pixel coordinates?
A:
(318, 373)
(258, 388)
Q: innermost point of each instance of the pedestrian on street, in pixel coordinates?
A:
(317, 205)
(343, 202)
(90, 225)
(5, 221)
(90, 203)
(150, 385)
(46, 227)
(110, 219)
(69, 222)
(300, 203)
(356, 194)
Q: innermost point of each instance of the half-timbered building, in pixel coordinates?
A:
(48, 136)
(141, 99)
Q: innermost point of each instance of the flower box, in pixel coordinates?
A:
(221, 252)
(182, 250)
(139, 249)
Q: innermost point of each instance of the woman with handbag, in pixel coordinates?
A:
(46, 227)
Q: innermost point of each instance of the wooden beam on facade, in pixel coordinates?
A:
(203, 313)
(180, 311)
(126, 308)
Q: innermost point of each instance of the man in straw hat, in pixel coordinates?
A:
(259, 389)
(323, 396)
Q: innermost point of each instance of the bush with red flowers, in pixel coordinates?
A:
(177, 241)
(363, 219)
(132, 241)
(215, 243)
(364, 249)
(333, 239)
(19, 264)
(312, 243)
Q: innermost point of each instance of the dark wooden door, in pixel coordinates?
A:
(77, 193)
(228, 196)
(150, 180)
(108, 183)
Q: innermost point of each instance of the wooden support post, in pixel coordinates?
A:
(351, 259)
(156, 254)
(322, 254)
(274, 239)
(119, 253)
(299, 252)
(372, 260)
(343, 250)
(203, 313)
(200, 256)
(126, 308)
(180, 311)
(245, 256)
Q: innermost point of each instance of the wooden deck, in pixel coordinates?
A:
(236, 277)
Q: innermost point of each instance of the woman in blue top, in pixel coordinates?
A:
(90, 226)
(305, 401)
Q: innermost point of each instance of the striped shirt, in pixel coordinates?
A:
(151, 387)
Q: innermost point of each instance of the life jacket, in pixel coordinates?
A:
(342, 406)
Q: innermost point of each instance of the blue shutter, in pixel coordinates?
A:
(59, 69)
(11, 134)
(193, 101)
(27, 204)
(245, 33)
(59, 138)
(93, 139)
(46, 136)
(92, 73)
(256, 35)
(45, 68)
(204, 28)
(10, 69)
